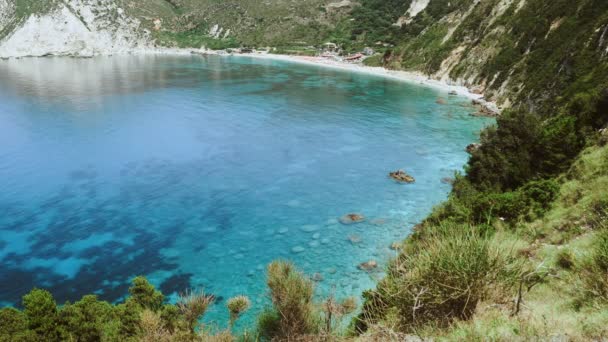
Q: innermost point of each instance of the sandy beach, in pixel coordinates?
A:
(403, 76)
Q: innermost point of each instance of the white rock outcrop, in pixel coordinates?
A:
(76, 28)
(416, 7)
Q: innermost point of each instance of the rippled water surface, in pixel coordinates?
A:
(197, 172)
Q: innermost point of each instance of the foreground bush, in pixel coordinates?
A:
(442, 279)
(143, 316)
(292, 313)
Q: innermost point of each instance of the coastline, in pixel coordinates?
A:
(411, 77)
(398, 75)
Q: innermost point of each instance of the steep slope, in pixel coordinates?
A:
(258, 23)
(515, 51)
(86, 27)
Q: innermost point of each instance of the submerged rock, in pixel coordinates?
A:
(313, 243)
(378, 222)
(354, 239)
(368, 265)
(309, 228)
(396, 246)
(441, 101)
(401, 176)
(298, 249)
(317, 277)
(352, 218)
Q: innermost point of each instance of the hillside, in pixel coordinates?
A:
(519, 251)
(90, 27)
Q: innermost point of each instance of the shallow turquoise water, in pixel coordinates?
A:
(198, 171)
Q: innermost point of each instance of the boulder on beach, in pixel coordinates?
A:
(368, 265)
(352, 218)
(483, 109)
(401, 176)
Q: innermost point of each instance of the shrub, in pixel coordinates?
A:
(565, 259)
(292, 314)
(445, 276)
(41, 312)
(13, 326)
(193, 305)
(237, 306)
(86, 319)
(152, 329)
(145, 294)
(334, 310)
(594, 271)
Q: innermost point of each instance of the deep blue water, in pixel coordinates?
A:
(198, 171)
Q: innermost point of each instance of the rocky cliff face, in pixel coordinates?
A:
(74, 27)
(515, 51)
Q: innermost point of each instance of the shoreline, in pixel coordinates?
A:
(398, 75)
(411, 77)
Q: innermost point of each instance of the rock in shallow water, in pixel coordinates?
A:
(368, 265)
(309, 228)
(352, 218)
(354, 239)
(401, 176)
(298, 249)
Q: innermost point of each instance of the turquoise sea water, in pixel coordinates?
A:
(198, 171)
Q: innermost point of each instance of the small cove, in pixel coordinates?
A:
(198, 171)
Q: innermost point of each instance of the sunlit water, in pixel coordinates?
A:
(199, 171)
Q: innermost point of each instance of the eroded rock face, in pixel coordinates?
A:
(352, 218)
(416, 7)
(76, 28)
(401, 176)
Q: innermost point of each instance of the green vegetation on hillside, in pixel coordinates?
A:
(519, 251)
